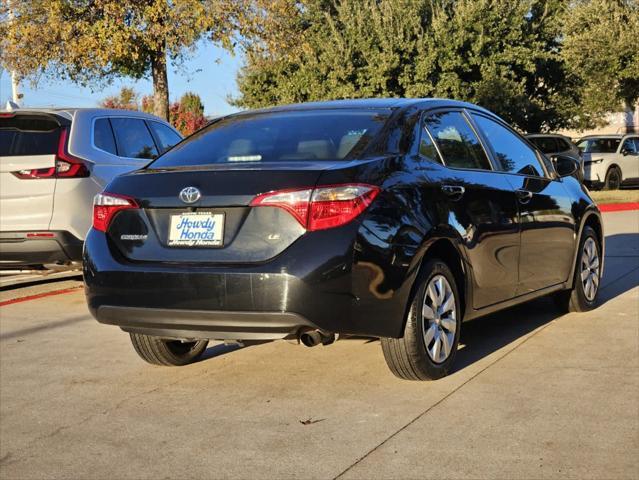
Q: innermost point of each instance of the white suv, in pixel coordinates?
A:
(53, 162)
(610, 161)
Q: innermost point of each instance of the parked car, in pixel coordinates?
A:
(52, 164)
(553, 144)
(610, 161)
(396, 219)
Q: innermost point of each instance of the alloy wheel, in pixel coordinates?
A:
(590, 269)
(439, 318)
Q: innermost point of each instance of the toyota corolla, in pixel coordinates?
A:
(396, 219)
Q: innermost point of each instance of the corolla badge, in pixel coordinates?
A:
(190, 195)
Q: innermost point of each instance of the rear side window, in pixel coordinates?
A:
(546, 144)
(164, 135)
(28, 135)
(599, 145)
(456, 140)
(511, 151)
(133, 138)
(279, 136)
(103, 136)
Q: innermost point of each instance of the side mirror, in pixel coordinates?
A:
(564, 166)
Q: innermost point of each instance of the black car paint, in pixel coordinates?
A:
(355, 279)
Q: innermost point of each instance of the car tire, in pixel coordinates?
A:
(613, 179)
(580, 298)
(432, 317)
(161, 351)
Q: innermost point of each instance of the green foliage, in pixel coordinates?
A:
(506, 55)
(601, 47)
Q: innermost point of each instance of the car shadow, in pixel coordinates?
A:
(226, 348)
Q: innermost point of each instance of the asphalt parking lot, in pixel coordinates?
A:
(534, 395)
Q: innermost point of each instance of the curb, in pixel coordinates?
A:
(39, 295)
(618, 207)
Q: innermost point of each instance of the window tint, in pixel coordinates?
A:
(545, 144)
(279, 136)
(165, 136)
(563, 145)
(427, 148)
(599, 145)
(457, 142)
(133, 138)
(631, 145)
(103, 136)
(28, 135)
(511, 151)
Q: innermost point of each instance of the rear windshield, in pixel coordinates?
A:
(28, 135)
(599, 145)
(279, 137)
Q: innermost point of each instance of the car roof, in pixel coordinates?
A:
(366, 103)
(542, 135)
(608, 135)
(70, 112)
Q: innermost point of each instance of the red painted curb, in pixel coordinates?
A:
(618, 207)
(39, 295)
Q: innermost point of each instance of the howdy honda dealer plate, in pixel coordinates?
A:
(196, 229)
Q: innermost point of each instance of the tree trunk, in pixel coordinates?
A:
(160, 84)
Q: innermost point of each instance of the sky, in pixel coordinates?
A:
(210, 73)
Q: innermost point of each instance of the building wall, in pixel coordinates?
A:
(618, 122)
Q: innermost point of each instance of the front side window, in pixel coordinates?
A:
(133, 138)
(599, 145)
(512, 153)
(286, 136)
(165, 136)
(458, 144)
(631, 146)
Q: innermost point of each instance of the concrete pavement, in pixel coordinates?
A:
(535, 395)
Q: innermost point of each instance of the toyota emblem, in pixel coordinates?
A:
(190, 195)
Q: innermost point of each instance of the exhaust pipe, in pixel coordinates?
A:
(311, 338)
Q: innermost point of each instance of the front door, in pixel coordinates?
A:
(545, 209)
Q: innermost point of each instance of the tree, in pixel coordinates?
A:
(187, 114)
(94, 41)
(127, 99)
(601, 46)
(502, 54)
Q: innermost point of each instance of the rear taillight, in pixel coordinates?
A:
(106, 205)
(322, 207)
(66, 165)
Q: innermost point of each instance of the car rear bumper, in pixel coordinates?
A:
(37, 248)
(221, 325)
(295, 291)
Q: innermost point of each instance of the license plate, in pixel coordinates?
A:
(196, 229)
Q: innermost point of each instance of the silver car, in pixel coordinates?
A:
(52, 164)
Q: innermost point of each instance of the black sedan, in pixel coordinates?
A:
(397, 219)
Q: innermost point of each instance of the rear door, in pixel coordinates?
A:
(629, 158)
(28, 146)
(480, 203)
(545, 208)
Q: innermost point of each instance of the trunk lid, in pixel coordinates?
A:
(27, 143)
(248, 234)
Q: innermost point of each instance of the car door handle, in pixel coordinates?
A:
(454, 192)
(524, 196)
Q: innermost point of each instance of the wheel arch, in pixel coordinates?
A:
(591, 218)
(446, 248)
